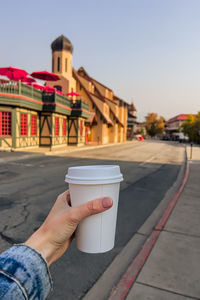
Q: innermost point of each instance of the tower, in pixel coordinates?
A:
(62, 50)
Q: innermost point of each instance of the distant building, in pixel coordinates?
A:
(173, 126)
(132, 121)
(140, 128)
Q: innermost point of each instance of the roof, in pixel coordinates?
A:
(93, 98)
(131, 115)
(89, 79)
(131, 107)
(117, 119)
(62, 43)
(92, 118)
(115, 97)
(96, 100)
(102, 84)
(180, 117)
(82, 73)
(82, 70)
(100, 96)
(112, 101)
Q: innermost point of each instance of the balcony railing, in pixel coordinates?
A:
(79, 104)
(56, 98)
(80, 108)
(19, 88)
(48, 101)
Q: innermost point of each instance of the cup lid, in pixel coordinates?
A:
(95, 174)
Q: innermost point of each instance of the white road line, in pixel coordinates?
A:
(148, 160)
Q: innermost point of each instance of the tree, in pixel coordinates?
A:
(191, 127)
(154, 125)
(188, 127)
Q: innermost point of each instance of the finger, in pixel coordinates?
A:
(62, 203)
(68, 198)
(64, 198)
(93, 207)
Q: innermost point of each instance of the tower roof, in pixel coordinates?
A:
(62, 43)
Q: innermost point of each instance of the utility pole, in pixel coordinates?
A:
(191, 144)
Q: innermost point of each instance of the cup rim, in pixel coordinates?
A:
(106, 176)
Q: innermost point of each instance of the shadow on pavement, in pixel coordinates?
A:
(76, 272)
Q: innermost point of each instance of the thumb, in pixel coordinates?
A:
(93, 207)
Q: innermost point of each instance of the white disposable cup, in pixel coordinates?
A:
(96, 233)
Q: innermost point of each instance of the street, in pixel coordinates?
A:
(30, 187)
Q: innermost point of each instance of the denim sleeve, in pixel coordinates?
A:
(24, 274)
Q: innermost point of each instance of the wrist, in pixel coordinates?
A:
(40, 242)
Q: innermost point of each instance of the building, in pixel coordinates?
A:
(132, 121)
(110, 112)
(108, 119)
(173, 126)
(31, 118)
(62, 50)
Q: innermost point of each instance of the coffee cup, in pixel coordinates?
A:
(96, 233)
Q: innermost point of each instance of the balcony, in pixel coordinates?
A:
(57, 103)
(80, 109)
(19, 94)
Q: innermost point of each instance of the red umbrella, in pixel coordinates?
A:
(44, 75)
(73, 94)
(49, 89)
(13, 73)
(59, 92)
(38, 86)
(28, 80)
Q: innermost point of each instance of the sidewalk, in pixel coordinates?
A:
(172, 270)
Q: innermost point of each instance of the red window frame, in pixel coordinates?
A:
(23, 123)
(81, 128)
(56, 126)
(64, 127)
(5, 123)
(33, 125)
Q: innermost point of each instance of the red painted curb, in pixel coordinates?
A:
(126, 281)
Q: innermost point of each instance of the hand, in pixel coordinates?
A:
(56, 233)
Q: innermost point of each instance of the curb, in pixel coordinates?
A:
(127, 280)
(111, 277)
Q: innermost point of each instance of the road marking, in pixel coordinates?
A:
(149, 160)
(21, 164)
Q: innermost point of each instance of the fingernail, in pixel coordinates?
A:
(107, 202)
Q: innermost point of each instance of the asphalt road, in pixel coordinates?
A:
(28, 189)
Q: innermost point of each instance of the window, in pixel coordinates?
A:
(58, 64)
(81, 128)
(23, 124)
(5, 123)
(58, 87)
(64, 127)
(65, 64)
(56, 126)
(33, 125)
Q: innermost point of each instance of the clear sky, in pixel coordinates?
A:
(147, 51)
